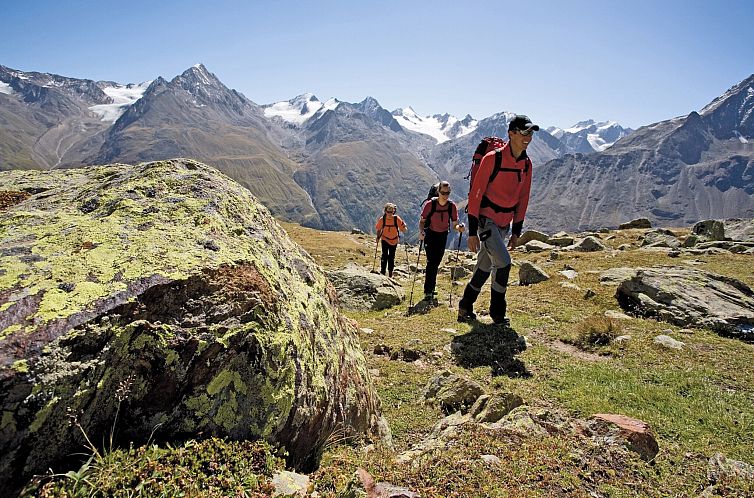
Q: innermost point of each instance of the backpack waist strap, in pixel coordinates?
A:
(486, 202)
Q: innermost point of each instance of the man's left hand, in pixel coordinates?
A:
(513, 242)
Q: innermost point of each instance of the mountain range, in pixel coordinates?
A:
(333, 164)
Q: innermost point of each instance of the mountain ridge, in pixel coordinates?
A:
(333, 164)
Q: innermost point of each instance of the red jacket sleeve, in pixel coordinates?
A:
(523, 199)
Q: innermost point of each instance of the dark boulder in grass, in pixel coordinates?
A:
(166, 293)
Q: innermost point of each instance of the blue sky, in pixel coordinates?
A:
(635, 62)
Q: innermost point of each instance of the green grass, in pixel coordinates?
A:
(698, 400)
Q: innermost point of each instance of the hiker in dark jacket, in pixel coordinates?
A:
(493, 207)
(387, 231)
(437, 216)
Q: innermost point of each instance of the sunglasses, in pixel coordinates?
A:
(525, 133)
(445, 193)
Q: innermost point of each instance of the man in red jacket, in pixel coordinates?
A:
(499, 196)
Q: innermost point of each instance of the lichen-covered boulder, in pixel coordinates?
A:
(165, 293)
(690, 297)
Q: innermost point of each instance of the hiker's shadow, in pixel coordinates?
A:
(493, 346)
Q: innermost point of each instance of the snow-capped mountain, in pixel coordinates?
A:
(589, 136)
(440, 127)
(296, 110)
(122, 97)
(332, 164)
(674, 172)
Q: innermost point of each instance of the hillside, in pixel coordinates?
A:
(697, 400)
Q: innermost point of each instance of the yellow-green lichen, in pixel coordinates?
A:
(43, 414)
(9, 330)
(200, 405)
(21, 366)
(171, 357)
(223, 380)
(8, 422)
(227, 414)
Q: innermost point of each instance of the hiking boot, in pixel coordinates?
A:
(466, 305)
(504, 322)
(431, 298)
(465, 315)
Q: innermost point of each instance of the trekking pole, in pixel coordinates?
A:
(376, 244)
(405, 246)
(416, 270)
(455, 269)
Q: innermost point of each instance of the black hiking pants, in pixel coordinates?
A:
(434, 245)
(388, 257)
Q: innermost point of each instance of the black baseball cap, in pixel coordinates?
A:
(522, 123)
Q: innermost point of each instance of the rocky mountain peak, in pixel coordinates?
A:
(732, 114)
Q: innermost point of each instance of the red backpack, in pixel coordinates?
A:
(486, 145)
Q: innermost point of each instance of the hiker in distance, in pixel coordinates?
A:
(387, 231)
(438, 215)
(498, 197)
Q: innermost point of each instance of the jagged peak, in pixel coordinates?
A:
(746, 85)
(199, 74)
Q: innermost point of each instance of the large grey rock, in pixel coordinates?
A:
(637, 223)
(529, 273)
(530, 235)
(589, 243)
(493, 407)
(668, 342)
(561, 241)
(710, 229)
(168, 287)
(452, 392)
(687, 296)
(537, 246)
(661, 238)
(359, 289)
(615, 276)
(739, 230)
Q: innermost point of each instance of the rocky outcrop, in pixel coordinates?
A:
(452, 392)
(529, 274)
(359, 289)
(690, 297)
(634, 434)
(165, 293)
(637, 223)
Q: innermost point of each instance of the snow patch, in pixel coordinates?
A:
(438, 127)
(123, 97)
(297, 110)
(741, 138)
(6, 88)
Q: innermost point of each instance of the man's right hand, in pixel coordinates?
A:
(421, 235)
(473, 243)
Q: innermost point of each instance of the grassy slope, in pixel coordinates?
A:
(699, 400)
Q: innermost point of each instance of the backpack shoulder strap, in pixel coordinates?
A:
(432, 210)
(498, 164)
